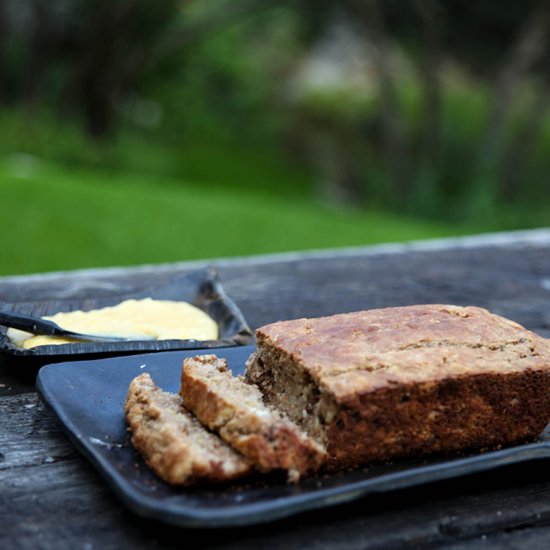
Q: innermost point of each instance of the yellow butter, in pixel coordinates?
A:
(161, 319)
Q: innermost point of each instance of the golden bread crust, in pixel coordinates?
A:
(408, 380)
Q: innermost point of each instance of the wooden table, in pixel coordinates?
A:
(50, 497)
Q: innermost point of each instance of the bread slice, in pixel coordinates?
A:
(405, 381)
(235, 410)
(173, 443)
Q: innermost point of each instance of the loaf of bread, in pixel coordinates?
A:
(173, 443)
(407, 381)
(235, 410)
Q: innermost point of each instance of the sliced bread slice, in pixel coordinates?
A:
(173, 443)
(235, 409)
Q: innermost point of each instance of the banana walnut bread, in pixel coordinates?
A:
(406, 381)
(173, 443)
(235, 410)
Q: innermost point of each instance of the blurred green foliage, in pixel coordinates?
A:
(428, 109)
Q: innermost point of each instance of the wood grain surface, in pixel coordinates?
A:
(52, 498)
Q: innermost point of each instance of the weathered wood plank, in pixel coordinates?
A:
(65, 502)
(515, 539)
(29, 434)
(16, 379)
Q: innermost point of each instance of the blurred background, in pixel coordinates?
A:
(138, 131)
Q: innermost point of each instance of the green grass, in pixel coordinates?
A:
(57, 218)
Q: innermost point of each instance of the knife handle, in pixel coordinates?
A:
(28, 323)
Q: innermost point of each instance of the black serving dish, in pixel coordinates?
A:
(200, 288)
(88, 398)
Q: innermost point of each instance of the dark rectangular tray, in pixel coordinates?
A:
(88, 399)
(200, 288)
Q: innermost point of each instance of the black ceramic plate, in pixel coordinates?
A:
(88, 398)
(200, 288)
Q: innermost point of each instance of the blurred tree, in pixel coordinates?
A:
(527, 50)
(114, 51)
(436, 103)
(82, 54)
(41, 46)
(3, 55)
(499, 45)
(368, 14)
(103, 49)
